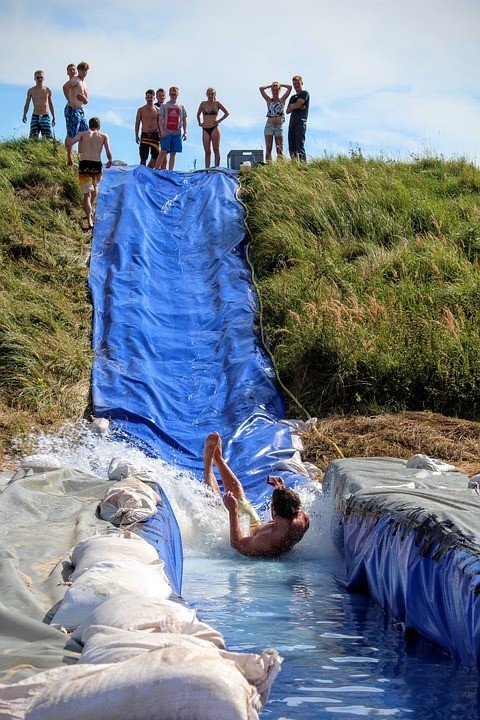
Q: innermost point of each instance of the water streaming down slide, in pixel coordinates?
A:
(177, 345)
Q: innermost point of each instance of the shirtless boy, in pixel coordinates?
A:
(77, 91)
(41, 97)
(267, 540)
(161, 97)
(71, 72)
(149, 141)
(90, 145)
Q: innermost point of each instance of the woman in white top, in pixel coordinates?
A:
(210, 108)
(275, 116)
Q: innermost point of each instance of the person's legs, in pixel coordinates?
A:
(216, 145)
(87, 208)
(279, 145)
(300, 132)
(291, 141)
(161, 162)
(268, 146)
(206, 139)
(208, 475)
(153, 157)
(34, 127)
(171, 160)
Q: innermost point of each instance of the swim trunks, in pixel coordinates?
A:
(171, 143)
(75, 120)
(40, 124)
(149, 142)
(89, 175)
(246, 507)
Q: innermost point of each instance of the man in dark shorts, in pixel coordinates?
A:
(90, 145)
(149, 140)
(297, 108)
(266, 540)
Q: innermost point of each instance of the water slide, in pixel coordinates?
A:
(176, 337)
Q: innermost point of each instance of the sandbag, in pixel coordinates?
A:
(106, 580)
(123, 467)
(133, 612)
(129, 501)
(167, 684)
(105, 645)
(113, 546)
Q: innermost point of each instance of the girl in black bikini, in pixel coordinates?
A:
(210, 108)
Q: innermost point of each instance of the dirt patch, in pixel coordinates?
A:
(454, 441)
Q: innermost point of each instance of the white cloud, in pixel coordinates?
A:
(374, 69)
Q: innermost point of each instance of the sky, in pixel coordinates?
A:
(393, 79)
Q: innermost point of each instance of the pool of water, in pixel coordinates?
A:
(343, 657)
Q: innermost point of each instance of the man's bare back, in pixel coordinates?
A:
(267, 540)
(91, 144)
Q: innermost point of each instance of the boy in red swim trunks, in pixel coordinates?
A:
(90, 145)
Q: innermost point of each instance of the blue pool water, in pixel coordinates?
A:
(343, 657)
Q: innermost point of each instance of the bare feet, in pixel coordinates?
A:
(212, 443)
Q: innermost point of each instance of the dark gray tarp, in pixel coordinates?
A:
(411, 537)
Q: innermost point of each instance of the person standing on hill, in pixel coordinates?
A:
(71, 72)
(149, 140)
(297, 108)
(210, 124)
(275, 117)
(78, 98)
(91, 142)
(172, 121)
(41, 98)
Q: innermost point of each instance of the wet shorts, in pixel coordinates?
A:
(40, 124)
(149, 142)
(171, 143)
(89, 175)
(273, 130)
(246, 507)
(75, 121)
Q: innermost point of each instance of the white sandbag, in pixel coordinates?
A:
(134, 612)
(114, 546)
(106, 580)
(104, 645)
(122, 467)
(129, 501)
(167, 684)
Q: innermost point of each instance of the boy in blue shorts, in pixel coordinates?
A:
(172, 121)
(41, 97)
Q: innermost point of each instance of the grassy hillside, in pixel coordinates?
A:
(369, 275)
(45, 313)
(367, 271)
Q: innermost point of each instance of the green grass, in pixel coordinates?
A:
(368, 271)
(45, 312)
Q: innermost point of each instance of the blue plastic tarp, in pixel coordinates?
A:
(177, 347)
(411, 540)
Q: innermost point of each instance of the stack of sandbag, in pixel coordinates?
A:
(106, 566)
(145, 655)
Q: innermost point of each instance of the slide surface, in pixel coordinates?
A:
(177, 346)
